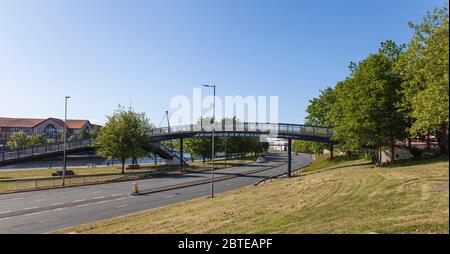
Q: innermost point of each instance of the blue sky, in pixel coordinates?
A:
(103, 53)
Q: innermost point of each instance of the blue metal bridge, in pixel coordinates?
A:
(268, 130)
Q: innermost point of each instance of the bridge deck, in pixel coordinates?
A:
(269, 130)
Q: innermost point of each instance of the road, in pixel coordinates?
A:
(47, 210)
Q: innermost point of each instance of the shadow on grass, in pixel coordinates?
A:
(416, 162)
(334, 168)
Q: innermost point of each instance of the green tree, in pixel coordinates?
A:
(424, 68)
(18, 140)
(123, 136)
(84, 134)
(36, 140)
(366, 112)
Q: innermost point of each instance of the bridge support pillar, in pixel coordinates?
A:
(181, 153)
(289, 157)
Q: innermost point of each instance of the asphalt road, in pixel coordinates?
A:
(47, 210)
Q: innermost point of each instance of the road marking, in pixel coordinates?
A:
(32, 213)
(99, 197)
(119, 199)
(82, 205)
(4, 218)
(57, 204)
(171, 196)
(44, 221)
(5, 212)
(29, 208)
(79, 200)
(121, 206)
(59, 209)
(101, 202)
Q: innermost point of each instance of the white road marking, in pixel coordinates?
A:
(29, 208)
(57, 204)
(59, 209)
(5, 212)
(32, 213)
(4, 218)
(82, 205)
(99, 197)
(121, 206)
(79, 200)
(171, 196)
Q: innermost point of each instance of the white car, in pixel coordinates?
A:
(260, 160)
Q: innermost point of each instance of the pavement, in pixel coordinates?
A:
(47, 210)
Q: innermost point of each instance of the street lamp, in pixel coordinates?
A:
(213, 134)
(65, 140)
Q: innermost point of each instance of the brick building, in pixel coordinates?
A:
(51, 128)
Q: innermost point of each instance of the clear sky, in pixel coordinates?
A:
(103, 53)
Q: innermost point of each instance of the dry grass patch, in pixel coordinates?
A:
(355, 198)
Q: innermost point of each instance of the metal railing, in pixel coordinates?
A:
(264, 128)
(38, 150)
(247, 127)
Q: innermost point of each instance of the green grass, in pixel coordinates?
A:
(346, 197)
(324, 161)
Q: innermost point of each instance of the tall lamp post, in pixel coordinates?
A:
(213, 134)
(65, 140)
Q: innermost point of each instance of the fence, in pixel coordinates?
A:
(17, 154)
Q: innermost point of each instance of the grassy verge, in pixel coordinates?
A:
(347, 197)
(323, 162)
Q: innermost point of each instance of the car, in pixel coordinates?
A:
(260, 160)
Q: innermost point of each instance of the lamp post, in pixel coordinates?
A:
(213, 134)
(65, 140)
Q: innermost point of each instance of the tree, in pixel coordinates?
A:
(365, 113)
(424, 68)
(36, 140)
(85, 134)
(18, 140)
(123, 136)
(301, 146)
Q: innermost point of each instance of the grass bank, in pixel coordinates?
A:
(346, 197)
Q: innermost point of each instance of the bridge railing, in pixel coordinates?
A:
(16, 154)
(247, 127)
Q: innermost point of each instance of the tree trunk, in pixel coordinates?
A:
(443, 139)
(380, 157)
(204, 159)
(392, 150)
(409, 142)
(123, 167)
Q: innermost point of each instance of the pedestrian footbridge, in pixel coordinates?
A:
(266, 130)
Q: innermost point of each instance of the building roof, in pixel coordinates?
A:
(76, 124)
(20, 122)
(32, 122)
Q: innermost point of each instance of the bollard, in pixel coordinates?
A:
(135, 190)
